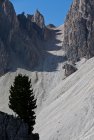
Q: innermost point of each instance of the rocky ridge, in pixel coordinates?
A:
(20, 38)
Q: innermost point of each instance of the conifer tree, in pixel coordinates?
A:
(21, 100)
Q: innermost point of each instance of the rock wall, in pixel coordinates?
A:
(79, 30)
(12, 128)
(21, 38)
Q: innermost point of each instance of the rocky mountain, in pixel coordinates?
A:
(21, 38)
(48, 54)
(79, 30)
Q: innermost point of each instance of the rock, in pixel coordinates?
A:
(69, 69)
(3, 58)
(79, 30)
(39, 19)
(25, 22)
(21, 39)
(13, 128)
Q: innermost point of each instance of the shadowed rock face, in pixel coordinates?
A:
(20, 39)
(25, 41)
(69, 69)
(79, 30)
(13, 128)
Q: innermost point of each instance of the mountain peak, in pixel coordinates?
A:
(37, 12)
(39, 19)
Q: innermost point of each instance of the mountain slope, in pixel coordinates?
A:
(69, 108)
(65, 104)
(70, 114)
(46, 74)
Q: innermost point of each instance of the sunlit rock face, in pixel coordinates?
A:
(79, 30)
(39, 19)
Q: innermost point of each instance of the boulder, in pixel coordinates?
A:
(69, 69)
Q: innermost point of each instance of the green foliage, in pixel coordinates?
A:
(21, 100)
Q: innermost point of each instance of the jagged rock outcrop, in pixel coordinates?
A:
(21, 39)
(69, 69)
(79, 30)
(39, 19)
(12, 128)
(27, 24)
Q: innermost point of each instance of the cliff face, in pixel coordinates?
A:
(8, 23)
(79, 30)
(20, 38)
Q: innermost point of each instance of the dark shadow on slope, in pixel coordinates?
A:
(50, 64)
(46, 61)
(50, 61)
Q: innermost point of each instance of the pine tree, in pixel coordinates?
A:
(21, 100)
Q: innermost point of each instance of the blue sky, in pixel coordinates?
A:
(54, 11)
